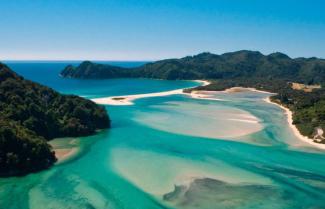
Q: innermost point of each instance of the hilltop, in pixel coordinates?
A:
(240, 64)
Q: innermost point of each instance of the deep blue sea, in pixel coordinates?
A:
(47, 73)
(172, 152)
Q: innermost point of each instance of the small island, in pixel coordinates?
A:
(32, 114)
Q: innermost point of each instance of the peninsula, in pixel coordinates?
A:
(32, 114)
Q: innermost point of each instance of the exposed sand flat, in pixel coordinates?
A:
(203, 95)
(294, 128)
(243, 89)
(65, 148)
(219, 122)
(244, 120)
(287, 112)
(65, 153)
(128, 99)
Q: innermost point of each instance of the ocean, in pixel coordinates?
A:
(172, 152)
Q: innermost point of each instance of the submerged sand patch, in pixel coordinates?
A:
(65, 148)
(206, 193)
(202, 120)
(148, 174)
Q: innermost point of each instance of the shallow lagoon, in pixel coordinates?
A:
(147, 162)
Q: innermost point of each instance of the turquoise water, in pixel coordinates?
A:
(175, 152)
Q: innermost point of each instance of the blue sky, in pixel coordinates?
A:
(155, 29)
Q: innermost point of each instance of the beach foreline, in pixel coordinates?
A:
(65, 154)
(128, 99)
(295, 130)
(288, 113)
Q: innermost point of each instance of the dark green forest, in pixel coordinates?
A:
(32, 114)
(241, 64)
(273, 72)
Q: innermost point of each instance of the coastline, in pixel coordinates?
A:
(288, 113)
(65, 154)
(65, 149)
(201, 94)
(128, 99)
(295, 130)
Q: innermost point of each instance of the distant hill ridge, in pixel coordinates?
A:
(240, 64)
(274, 73)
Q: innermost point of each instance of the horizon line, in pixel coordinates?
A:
(157, 59)
(73, 60)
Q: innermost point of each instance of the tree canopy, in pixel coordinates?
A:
(31, 114)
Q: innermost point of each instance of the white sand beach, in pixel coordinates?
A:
(65, 148)
(287, 112)
(63, 154)
(128, 99)
(294, 128)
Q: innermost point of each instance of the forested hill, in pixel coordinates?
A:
(240, 64)
(31, 114)
(275, 72)
(89, 70)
